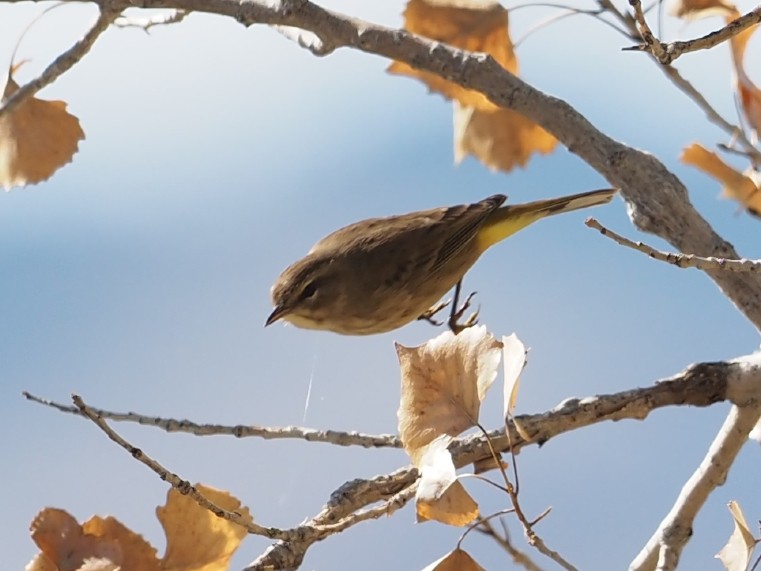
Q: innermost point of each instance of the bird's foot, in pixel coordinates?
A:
(455, 317)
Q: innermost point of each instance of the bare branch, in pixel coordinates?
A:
(666, 544)
(239, 431)
(63, 62)
(503, 540)
(182, 486)
(651, 43)
(734, 131)
(666, 53)
(678, 260)
(699, 385)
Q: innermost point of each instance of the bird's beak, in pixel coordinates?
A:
(276, 314)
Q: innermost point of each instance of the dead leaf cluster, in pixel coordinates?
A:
(444, 383)
(196, 539)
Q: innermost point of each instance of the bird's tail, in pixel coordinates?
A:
(509, 219)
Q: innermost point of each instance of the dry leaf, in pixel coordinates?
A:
(136, 552)
(738, 186)
(748, 95)
(95, 564)
(196, 539)
(457, 560)
(513, 359)
(443, 384)
(440, 495)
(473, 25)
(500, 138)
(66, 545)
(36, 139)
(736, 554)
(693, 9)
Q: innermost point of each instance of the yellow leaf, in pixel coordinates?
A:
(36, 139)
(443, 384)
(66, 545)
(737, 186)
(513, 359)
(440, 496)
(736, 554)
(473, 25)
(196, 539)
(457, 560)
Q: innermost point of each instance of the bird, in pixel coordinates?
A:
(379, 274)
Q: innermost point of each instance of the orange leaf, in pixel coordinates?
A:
(65, 544)
(196, 539)
(737, 186)
(693, 9)
(137, 553)
(500, 138)
(748, 94)
(36, 139)
(473, 25)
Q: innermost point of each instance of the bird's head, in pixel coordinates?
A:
(306, 292)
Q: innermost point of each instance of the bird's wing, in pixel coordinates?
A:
(462, 222)
(454, 226)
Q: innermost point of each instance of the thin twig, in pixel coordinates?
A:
(678, 260)
(734, 131)
(668, 52)
(480, 521)
(336, 437)
(182, 486)
(651, 43)
(528, 527)
(519, 557)
(63, 62)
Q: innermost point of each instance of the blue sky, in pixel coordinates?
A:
(139, 278)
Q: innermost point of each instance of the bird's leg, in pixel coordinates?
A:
(458, 312)
(455, 314)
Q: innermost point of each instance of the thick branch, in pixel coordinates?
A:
(672, 534)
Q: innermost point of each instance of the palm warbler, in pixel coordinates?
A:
(382, 273)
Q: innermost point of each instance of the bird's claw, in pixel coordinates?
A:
(428, 315)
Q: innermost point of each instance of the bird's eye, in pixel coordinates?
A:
(309, 290)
